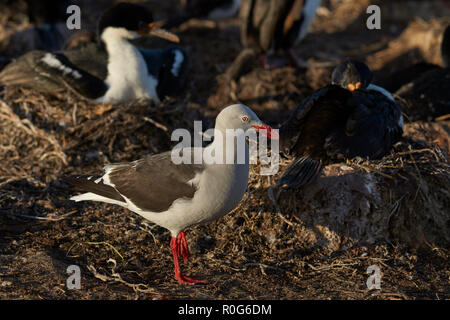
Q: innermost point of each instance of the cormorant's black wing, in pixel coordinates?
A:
(291, 129)
(59, 67)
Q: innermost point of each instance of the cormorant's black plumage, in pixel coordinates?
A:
(336, 123)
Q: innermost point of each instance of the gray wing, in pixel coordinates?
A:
(155, 182)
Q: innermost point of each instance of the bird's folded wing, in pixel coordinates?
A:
(90, 57)
(169, 66)
(155, 182)
(75, 78)
(292, 127)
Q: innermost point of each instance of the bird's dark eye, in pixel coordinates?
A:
(244, 119)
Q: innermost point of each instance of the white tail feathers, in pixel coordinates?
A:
(90, 196)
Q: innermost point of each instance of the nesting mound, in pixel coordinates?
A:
(403, 197)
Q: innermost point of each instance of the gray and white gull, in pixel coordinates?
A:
(177, 196)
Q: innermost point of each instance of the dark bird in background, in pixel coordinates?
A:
(272, 27)
(46, 11)
(348, 118)
(204, 9)
(425, 87)
(111, 70)
(49, 18)
(48, 30)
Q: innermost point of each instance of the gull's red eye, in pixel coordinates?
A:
(244, 119)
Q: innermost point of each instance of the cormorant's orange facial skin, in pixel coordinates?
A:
(353, 87)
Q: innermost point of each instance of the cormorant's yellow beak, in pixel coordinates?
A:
(153, 28)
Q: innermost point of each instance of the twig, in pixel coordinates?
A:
(47, 218)
(156, 124)
(108, 244)
(95, 243)
(442, 118)
(116, 277)
(415, 151)
(332, 266)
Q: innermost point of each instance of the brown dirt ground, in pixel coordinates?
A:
(255, 252)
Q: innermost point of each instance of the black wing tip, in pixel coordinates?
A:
(70, 179)
(90, 183)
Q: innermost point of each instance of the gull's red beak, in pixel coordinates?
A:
(267, 131)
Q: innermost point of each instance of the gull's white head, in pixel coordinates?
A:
(239, 116)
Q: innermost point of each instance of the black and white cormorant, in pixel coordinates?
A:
(348, 118)
(111, 70)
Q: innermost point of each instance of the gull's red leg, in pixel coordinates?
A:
(177, 244)
(184, 246)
